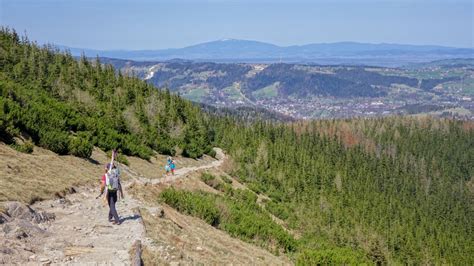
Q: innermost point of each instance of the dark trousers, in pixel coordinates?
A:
(112, 199)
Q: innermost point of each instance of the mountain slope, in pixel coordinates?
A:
(398, 189)
(395, 190)
(69, 106)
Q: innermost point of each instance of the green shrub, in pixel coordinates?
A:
(226, 179)
(80, 147)
(199, 205)
(122, 159)
(26, 147)
(206, 177)
(277, 209)
(211, 152)
(333, 256)
(192, 151)
(144, 152)
(56, 141)
(215, 183)
(256, 187)
(249, 222)
(236, 213)
(165, 148)
(245, 196)
(119, 157)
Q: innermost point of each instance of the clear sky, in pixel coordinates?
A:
(148, 24)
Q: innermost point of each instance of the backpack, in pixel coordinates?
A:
(113, 182)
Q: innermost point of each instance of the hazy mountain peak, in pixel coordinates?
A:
(232, 50)
(228, 40)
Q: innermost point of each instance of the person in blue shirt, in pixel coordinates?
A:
(172, 166)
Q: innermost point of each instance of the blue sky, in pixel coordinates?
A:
(147, 24)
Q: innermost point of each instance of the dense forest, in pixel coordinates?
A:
(429, 84)
(68, 106)
(246, 114)
(397, 189)
(386, 190)
(370, 77)
(294, 81)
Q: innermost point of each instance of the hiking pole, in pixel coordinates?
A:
(114, 152)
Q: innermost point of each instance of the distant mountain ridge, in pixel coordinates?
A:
(234, 50)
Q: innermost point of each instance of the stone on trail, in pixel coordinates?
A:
(4, 218)
(21, 229)
(19, 210)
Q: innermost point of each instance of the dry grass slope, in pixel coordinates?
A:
(44, 175)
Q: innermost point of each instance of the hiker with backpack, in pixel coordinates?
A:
(167, 169)
(172, 166)
(110, 183)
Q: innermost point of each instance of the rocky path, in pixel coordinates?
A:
(81, 234)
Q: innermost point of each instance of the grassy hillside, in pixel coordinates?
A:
(69, 106)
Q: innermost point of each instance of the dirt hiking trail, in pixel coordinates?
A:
(81, 234)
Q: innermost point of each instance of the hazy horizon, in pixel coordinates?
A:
(210, 41)
(163, 24)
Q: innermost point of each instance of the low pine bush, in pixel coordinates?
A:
(56, 141)
(332, 256)
(277, 209)
(196, 204)
(26, 147)
(80, 147)
(236, 213)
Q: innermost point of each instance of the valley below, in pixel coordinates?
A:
(440, 88)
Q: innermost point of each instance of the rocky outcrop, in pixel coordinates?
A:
(18, 210)
(18, 223)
